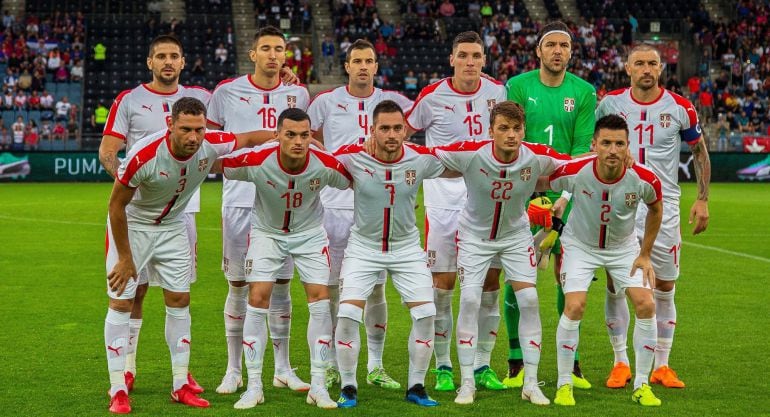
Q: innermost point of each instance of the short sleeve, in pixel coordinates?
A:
(222, 142)
(561, 181)
(455, 160)
(584, 125)
(119, 117)
(421, 114)
(317, 111)
(432, 165)
(215, 111)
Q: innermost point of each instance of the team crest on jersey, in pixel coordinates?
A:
(315, 184)
(525, 174)
(431, 258)
(631, 200)
(410, 176)
(291, 101)
(569, 104)
(665, 120)
(491, 104)
(247, 266)
(203, 164)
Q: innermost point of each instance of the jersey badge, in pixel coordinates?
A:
(291, 101)
(410, 177)
(665, 120)
(203, 164)
(491, 104)
(315, 184)
(569, 104)
(525, 174)
(631, 200)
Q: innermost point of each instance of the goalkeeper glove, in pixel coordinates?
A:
(539, 211)
(547, 243)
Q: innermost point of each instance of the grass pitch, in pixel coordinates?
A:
(53, 303)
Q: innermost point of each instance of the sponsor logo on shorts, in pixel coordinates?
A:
(248, 265)
(525, 174)
(226, 264)
(562, 278)
(410, 176)
(461, 274)
(631, 200)
(431, 258)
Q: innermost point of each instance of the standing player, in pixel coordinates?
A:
(253, 102)
(340, 117)
(456, 107)
(659, 121)
(385, 238)
(292, 173)
(600, 234)
(500, 176)
(559, 109)
(146, 229)
(134, 115)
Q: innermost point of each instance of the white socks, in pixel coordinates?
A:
(319, 340)
(348, 342)
(254, 342)
(443, 326)
(376, 323)
(567, 337)
(617, 319)
(279, 321)
(645, 336)
(665, 310)
(235, 314)
(134, 326)
(489, 321)
(420, 342)
(116, 344)
(334, 305)
(530, 332)
(467, 331)
(178, 341)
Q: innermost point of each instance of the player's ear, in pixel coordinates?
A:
(149, 63)
(170, 122)
(253, 55)
(628, 68)
(183, 62)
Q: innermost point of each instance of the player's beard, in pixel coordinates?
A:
(166, 79)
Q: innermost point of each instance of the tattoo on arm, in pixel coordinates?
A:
(110, 163)
(702, 165)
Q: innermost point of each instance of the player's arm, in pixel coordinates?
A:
(108, 153)
(124, 269)
(702, 165)
(651, 228)
(319, 134)
(448, 173)
(253, 138)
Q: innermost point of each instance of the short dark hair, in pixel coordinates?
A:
(187, 105)
(642, 47)
(555, 25)
(268, 31)
(386, 106)
(467, 37)
(165, 39)
(360, 44)
(610, 122)
(508, 109)
(294, 114)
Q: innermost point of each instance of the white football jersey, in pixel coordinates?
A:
(346, 119)
(141, 112)
(238, 105)
(385, 193)
(656, 131)
(286, 202)
(497, 192)
(603, 215)
(449, 116)
(164, 183)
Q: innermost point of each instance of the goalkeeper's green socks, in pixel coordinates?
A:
(511, 312)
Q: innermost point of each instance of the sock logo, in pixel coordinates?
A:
(276, 345)
(610, 324)
(327, 343)
(537, 345)
(251, 352)
(183, 344)
(671, 323)
(442, 334)
(650, 348)
(325, 347)
(285, 316)
(424, 342)
(116, 350)
(234, 317)
(568, 347)
(382, 326)
(348, 344)
(493, 333)
(468, 342)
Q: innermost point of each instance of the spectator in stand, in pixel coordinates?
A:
(25, 81)
(306, 66)
(410, 83)
(59, 132)
(54, 60)
(11, 78)
(100, 56)
(706, 104)
(198, 72)
(693, 84)
(17, 130)
(45, 131)
(743, 122)
(327, 53)
(99, 118)
(63, 108)
(76, 73)
(5, 139)
(447, 9)
(380, 46)
(46, 100)
(220, 54)
(33, 103)
(62, 75)
(31, 136)
(20, 101)
(674, 85)
(8, 99)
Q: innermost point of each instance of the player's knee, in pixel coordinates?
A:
(259, 296)
(123, 306)
(350, 311)
(141, 291)
(527, 298)
(664, 286)
(444, 280)
(574, 309)
(176, 299)
(378, 295)
(645, 308)
(423, 311)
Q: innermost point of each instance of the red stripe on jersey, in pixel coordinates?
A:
(649, 177)
(106, 243)
(167, 209)
(386, 229)
(464, 146)
(142, 157)
(166, 107)
(422, 150)
(642, 156)
(348, 149)
(322, 93)
(571, 168)
(225, 81)
(462, 93)
(197, 87)
(643, 115)
(617, 92)
(265, 98)
(546, 150)
(603, 236)
(286, 221)
(217, 138)
(290, 185)
(498, 211)
(211, 122)
(631, 94)
(331, 162)
(111, 117)
(692, 115)
(253, 158)
(360, 106)
(160, 93)
(469, 105)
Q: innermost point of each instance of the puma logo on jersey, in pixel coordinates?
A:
(534, 100)
(270, 183)
(149, 108)
(483, 171)
(452, 108)
(343, 107)
(246, 99)
(590, 194)
(163, 174)
(371, 173)
(623, 115)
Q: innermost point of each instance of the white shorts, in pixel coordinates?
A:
(268, 254)
(579, 264)
(236, 225)
(338, 223)
(515, 252)
(666, 250)
(441, 239)
(164, 255)
(408, 269)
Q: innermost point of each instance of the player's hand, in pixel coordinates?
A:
(700, 214)
(288, 76)
(121, 273)
(559, 206)
(539, 212)
(318, 144)
(629, 159)
(369, 145)
(648, 273)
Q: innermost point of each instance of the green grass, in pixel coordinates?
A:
(53, 303)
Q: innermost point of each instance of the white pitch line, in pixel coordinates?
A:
(729, 252)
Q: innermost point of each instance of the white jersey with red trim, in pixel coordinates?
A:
(385, 193)
(449, 116)
(164, 183)
(346, 119)
(656, 131)
(141, 112)
(604, 214)
(497, 191)
(286, 202)
(238, 105)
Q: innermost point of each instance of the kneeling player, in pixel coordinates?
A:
(601, 233)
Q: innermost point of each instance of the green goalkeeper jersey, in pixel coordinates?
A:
(562, 117)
